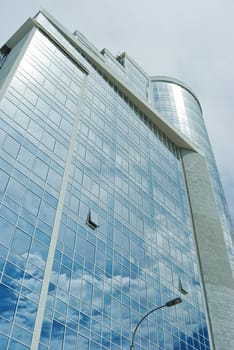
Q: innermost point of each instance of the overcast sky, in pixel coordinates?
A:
(191, 40)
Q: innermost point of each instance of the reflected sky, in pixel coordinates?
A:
(125, 170)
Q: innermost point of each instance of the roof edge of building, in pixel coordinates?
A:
(148, 109)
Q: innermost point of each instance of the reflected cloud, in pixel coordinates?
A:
(98, 291)
(112, 317)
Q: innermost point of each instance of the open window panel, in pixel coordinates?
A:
(92, 219)
(181, 288)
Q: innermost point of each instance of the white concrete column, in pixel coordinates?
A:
(214, 264)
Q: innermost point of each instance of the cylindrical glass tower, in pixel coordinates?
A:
(181, 108)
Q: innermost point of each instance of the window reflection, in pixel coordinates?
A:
(124, 170)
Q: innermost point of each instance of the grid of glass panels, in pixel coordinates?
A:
(37, 114)
(182, 110)
(104, 280)
(125, 171)
(132, 74)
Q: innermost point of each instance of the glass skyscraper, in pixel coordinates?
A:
(110, 203)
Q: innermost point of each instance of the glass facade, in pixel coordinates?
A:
(135, 77)
(181, 108)
(37, 114)
(74, 149)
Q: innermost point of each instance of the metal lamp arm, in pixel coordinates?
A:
(139, 323)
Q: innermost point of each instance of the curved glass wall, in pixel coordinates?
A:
(180, 107)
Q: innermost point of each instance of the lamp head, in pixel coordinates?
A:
(173, 302)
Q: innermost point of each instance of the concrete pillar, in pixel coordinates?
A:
(213, 260)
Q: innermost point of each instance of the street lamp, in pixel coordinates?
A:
(170, 303)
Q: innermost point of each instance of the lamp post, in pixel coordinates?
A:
(170, 303)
